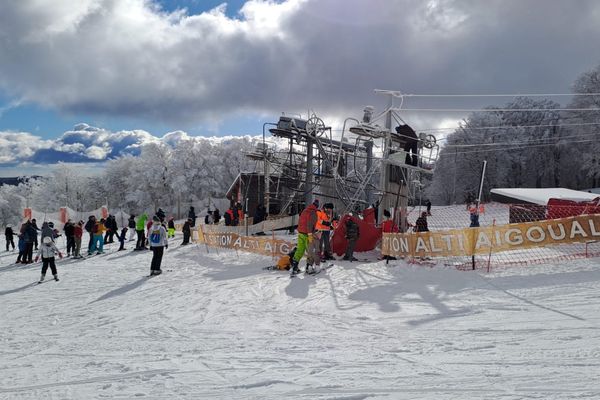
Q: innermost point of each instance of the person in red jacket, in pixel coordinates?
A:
(77, 234)
(388, 226)
(306, 227)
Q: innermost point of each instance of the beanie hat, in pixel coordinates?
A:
(316, 203)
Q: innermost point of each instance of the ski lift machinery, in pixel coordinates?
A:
(321, 164)
(396, 175)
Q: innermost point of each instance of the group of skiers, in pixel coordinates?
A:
(151, 234)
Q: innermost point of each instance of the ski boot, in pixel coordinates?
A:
(309, 269)
(295, 270)
(56, 277)
(42, 278)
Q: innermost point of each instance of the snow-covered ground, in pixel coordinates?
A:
(217, 326)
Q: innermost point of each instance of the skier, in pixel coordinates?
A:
(122, 238)
(111, 229)
(240, 213)
(192, 215)
(161, 215)
(140, 226)
(8, 233)
(35, 239)
(131, 226)
(421, 223)
(216, 216)
(229, 217)
(474, 220)
(352, 235)
(306, 228)
(30, 236)
(98, 243)
(89, 226)
(171, 226)
(69, 230)
(47, 251)
(428, 205)
(208, 218)
(22, 249)
(324, 217)
(187, 231)
(158, 244)
(77, 235)
(388, 226)
(285, 262)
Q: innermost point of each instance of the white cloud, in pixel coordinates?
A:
(129, 58)
(85, 144)
(19, 145)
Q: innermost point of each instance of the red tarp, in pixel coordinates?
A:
(369, 233)
(559, 208)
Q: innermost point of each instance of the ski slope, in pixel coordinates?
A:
(217, 326)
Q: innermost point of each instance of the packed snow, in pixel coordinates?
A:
(216, 325)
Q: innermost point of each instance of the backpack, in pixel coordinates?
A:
(155, 237)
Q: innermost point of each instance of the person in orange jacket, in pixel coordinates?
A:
(324, 225)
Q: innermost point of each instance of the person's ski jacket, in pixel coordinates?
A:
(141, 222)
(77, 231)
(47, 231)
(69, 229)
(157, 236)
(228, 217)
(187, 230)
(216, 216)
(308, 219)
(99, 228)
(47, 250)
(323, 222)
(29, 234)
(171, 224)
(9, 232)
(89, 225)
(388, 226)
(421, 224)
(131, 222)
(352, 230)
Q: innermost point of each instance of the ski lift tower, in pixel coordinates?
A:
(395, 169)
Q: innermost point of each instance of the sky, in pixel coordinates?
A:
(210, 68)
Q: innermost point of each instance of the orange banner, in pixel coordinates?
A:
(253, 244)
(483, 240)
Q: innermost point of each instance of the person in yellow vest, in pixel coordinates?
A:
(324, 219)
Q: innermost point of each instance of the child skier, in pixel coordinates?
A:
(8, 232)
(47, 251)
(158, 243)
(122, 238)
(171, 226)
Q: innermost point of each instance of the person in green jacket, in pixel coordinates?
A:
(140, 228)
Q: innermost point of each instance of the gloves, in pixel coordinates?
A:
(37, 258)
(166, 246)
(59, 255)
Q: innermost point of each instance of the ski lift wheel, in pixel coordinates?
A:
(315, 126)
(429, 141)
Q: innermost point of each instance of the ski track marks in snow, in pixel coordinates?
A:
(219, 327)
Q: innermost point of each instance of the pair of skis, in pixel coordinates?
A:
(313, 272)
